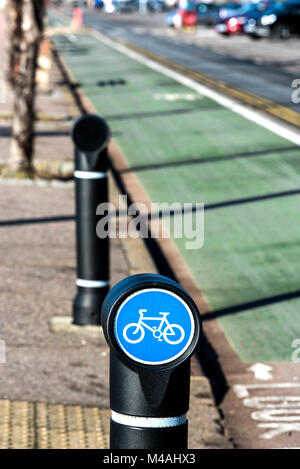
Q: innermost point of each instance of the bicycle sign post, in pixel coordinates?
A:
(152, 326)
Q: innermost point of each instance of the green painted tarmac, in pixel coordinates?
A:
(251, 248)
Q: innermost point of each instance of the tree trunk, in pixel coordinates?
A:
(26, 19)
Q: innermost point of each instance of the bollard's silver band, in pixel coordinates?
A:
(89, 174)
(148, 422)
(80, 282)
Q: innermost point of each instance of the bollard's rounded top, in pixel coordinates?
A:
(90, 133)
(150, 321)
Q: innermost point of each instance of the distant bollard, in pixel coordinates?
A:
(90, 134)
(77, 18)
(152, 327)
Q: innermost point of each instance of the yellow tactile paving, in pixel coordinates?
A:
(25, 425)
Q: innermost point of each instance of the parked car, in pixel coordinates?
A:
(80, 3)
(281, 21)
(183, 16)
(228, 9)
(128, 6)
(121, 6)
(208, 13)
(235, 24)
(99, 4)
(157, 5)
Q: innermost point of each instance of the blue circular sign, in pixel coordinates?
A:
(154, 326)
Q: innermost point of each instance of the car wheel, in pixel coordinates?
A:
(281, 31)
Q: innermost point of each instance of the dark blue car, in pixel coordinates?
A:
(282, 21)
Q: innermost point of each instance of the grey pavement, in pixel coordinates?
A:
(38, 282)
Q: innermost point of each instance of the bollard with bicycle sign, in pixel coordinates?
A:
(152, 327)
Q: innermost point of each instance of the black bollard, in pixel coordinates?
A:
(152, 327)
(90, 134)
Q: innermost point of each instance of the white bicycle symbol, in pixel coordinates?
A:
(138, 329)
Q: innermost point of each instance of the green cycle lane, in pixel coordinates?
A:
(184, 147)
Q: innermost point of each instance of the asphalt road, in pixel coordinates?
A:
(265, 68)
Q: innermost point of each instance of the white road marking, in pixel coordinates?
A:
(242, 390)
(271, 402)
(255, 116)
(279, 414)
(176, 97)
(278, 429)
(261, 371)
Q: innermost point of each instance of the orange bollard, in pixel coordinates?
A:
(76, 18)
